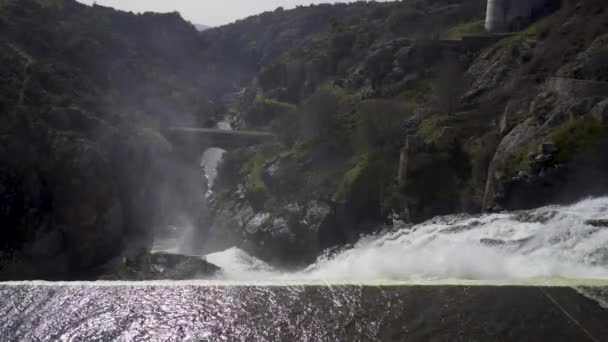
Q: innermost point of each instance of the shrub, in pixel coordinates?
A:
(380, 125)
(322, 116)
(576, 136)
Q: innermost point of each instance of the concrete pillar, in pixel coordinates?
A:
(496, 15)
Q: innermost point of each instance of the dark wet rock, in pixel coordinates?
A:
(495, 209)
(536, 217)
(597, 223)
(460, 228)
(226, 229)
(158, 266)
(290, 237)
(543, 158)
(517, 137)
(492, 242)
(316, 212)
(524, 174)
(559, 183)
(548, 148)
(67, 207)
(498, 242)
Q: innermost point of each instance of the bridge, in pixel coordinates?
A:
(194, 140)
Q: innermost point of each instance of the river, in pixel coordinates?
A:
(531, 275)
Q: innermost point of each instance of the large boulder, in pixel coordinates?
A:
(158, 266)
(290, 238)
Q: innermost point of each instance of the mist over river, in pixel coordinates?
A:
(547, 243)
(483, 277)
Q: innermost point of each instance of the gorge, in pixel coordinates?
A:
(400, 164)
(341, 126)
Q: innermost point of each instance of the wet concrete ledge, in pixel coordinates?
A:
(314, 313)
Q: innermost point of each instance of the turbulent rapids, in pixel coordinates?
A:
(548, 243)
(429, 281)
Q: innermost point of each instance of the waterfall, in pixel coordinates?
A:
(212, 157)
(550, 243)
(181, 237)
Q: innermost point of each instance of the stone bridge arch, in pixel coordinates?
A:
(191, 142)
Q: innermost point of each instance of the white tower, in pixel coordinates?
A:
(496, 15)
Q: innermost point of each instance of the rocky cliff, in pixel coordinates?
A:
(384, 117)
(383, 111)
(85, 174)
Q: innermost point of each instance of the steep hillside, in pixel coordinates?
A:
(84, 173)
(381, 111)
(392, 117)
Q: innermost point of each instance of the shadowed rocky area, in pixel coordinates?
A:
(85, 175)
(158, 266)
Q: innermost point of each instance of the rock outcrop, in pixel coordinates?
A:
(84, 171)
(158, 266)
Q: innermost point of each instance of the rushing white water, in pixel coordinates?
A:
(548, 243)
(180, 240)
(212, 156)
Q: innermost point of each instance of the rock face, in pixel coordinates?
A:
(598, 223)
(293, 237)
(67, 207)
(159, 266)
(84, 171)
(552, 182)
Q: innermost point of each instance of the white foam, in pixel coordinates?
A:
(559, 246)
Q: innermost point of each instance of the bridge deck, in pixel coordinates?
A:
(192, 139)
(216, 131)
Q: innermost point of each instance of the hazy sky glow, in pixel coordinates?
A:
(207, 12)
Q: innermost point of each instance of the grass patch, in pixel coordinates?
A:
(537, 28)
(576, 136)
(359, 165)
(570, 138)
(261, 99)
(417, 93)
(252, 172)
(456, 32)
(431, 126)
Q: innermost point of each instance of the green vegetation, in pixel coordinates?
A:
(325, 116)
(380, 125)
(270, 102)
(576, 136)
(537, 29)
(253, 181)
(360, 164)
(431, 127)
(417, 93)
(456, 32)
